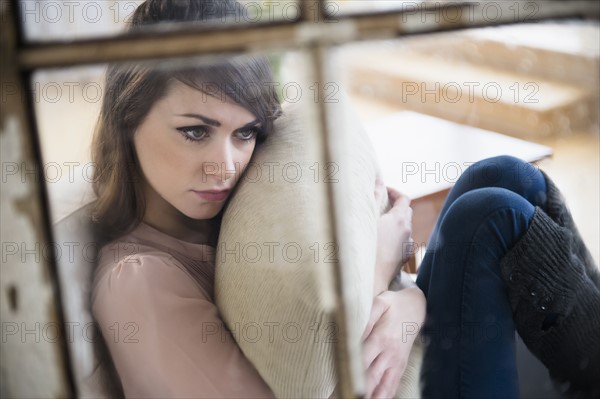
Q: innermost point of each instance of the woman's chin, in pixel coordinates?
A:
(208, 212)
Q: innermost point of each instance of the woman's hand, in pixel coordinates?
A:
(393, 236)
(396, 317)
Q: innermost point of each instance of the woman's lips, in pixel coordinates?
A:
(212, 195)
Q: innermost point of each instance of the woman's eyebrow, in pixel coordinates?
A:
(216, 123)
(247, 125)
(203, 118)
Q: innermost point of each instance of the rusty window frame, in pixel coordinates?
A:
(316, 29)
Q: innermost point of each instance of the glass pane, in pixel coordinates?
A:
(175, 132)
(533, 82)
(49, 20)
(67, 103)
(434, 104)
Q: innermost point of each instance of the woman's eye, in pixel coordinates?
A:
(194, 133)
(248, 134)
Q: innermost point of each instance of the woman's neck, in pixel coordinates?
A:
(164, 217)
(196, 231)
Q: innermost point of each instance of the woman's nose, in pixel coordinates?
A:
(221, 164)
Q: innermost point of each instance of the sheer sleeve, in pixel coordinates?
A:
(165, 337)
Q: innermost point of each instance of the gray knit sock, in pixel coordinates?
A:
(555, 303)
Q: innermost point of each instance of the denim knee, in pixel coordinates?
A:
(508, 172)
(508, 212)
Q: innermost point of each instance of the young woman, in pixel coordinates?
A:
(169, 148)
(505, 253)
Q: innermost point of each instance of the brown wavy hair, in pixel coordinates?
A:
(132, 89)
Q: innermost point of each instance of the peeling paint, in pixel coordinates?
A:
(31, 365)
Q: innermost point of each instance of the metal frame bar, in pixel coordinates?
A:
(326, 30)
(44, 368)
(345, 360)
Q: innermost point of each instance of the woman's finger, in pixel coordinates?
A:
(389, 384)
(378, 308)
(370, 350)
(374, 374)
(399, 200)
(395, 194)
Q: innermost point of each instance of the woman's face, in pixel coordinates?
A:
(192, 149)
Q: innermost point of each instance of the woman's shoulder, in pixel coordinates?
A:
(129, 267)
(148, 256)
(127, 249)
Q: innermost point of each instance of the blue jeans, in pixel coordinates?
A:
(469, 333)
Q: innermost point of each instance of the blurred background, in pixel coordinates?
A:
(536, 82)
(434, 102)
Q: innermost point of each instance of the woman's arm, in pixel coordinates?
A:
(165, 337)
(396, 316)
(393, 236)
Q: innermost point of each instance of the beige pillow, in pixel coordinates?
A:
(274, 279)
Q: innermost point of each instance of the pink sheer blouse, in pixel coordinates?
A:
(153, 298)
